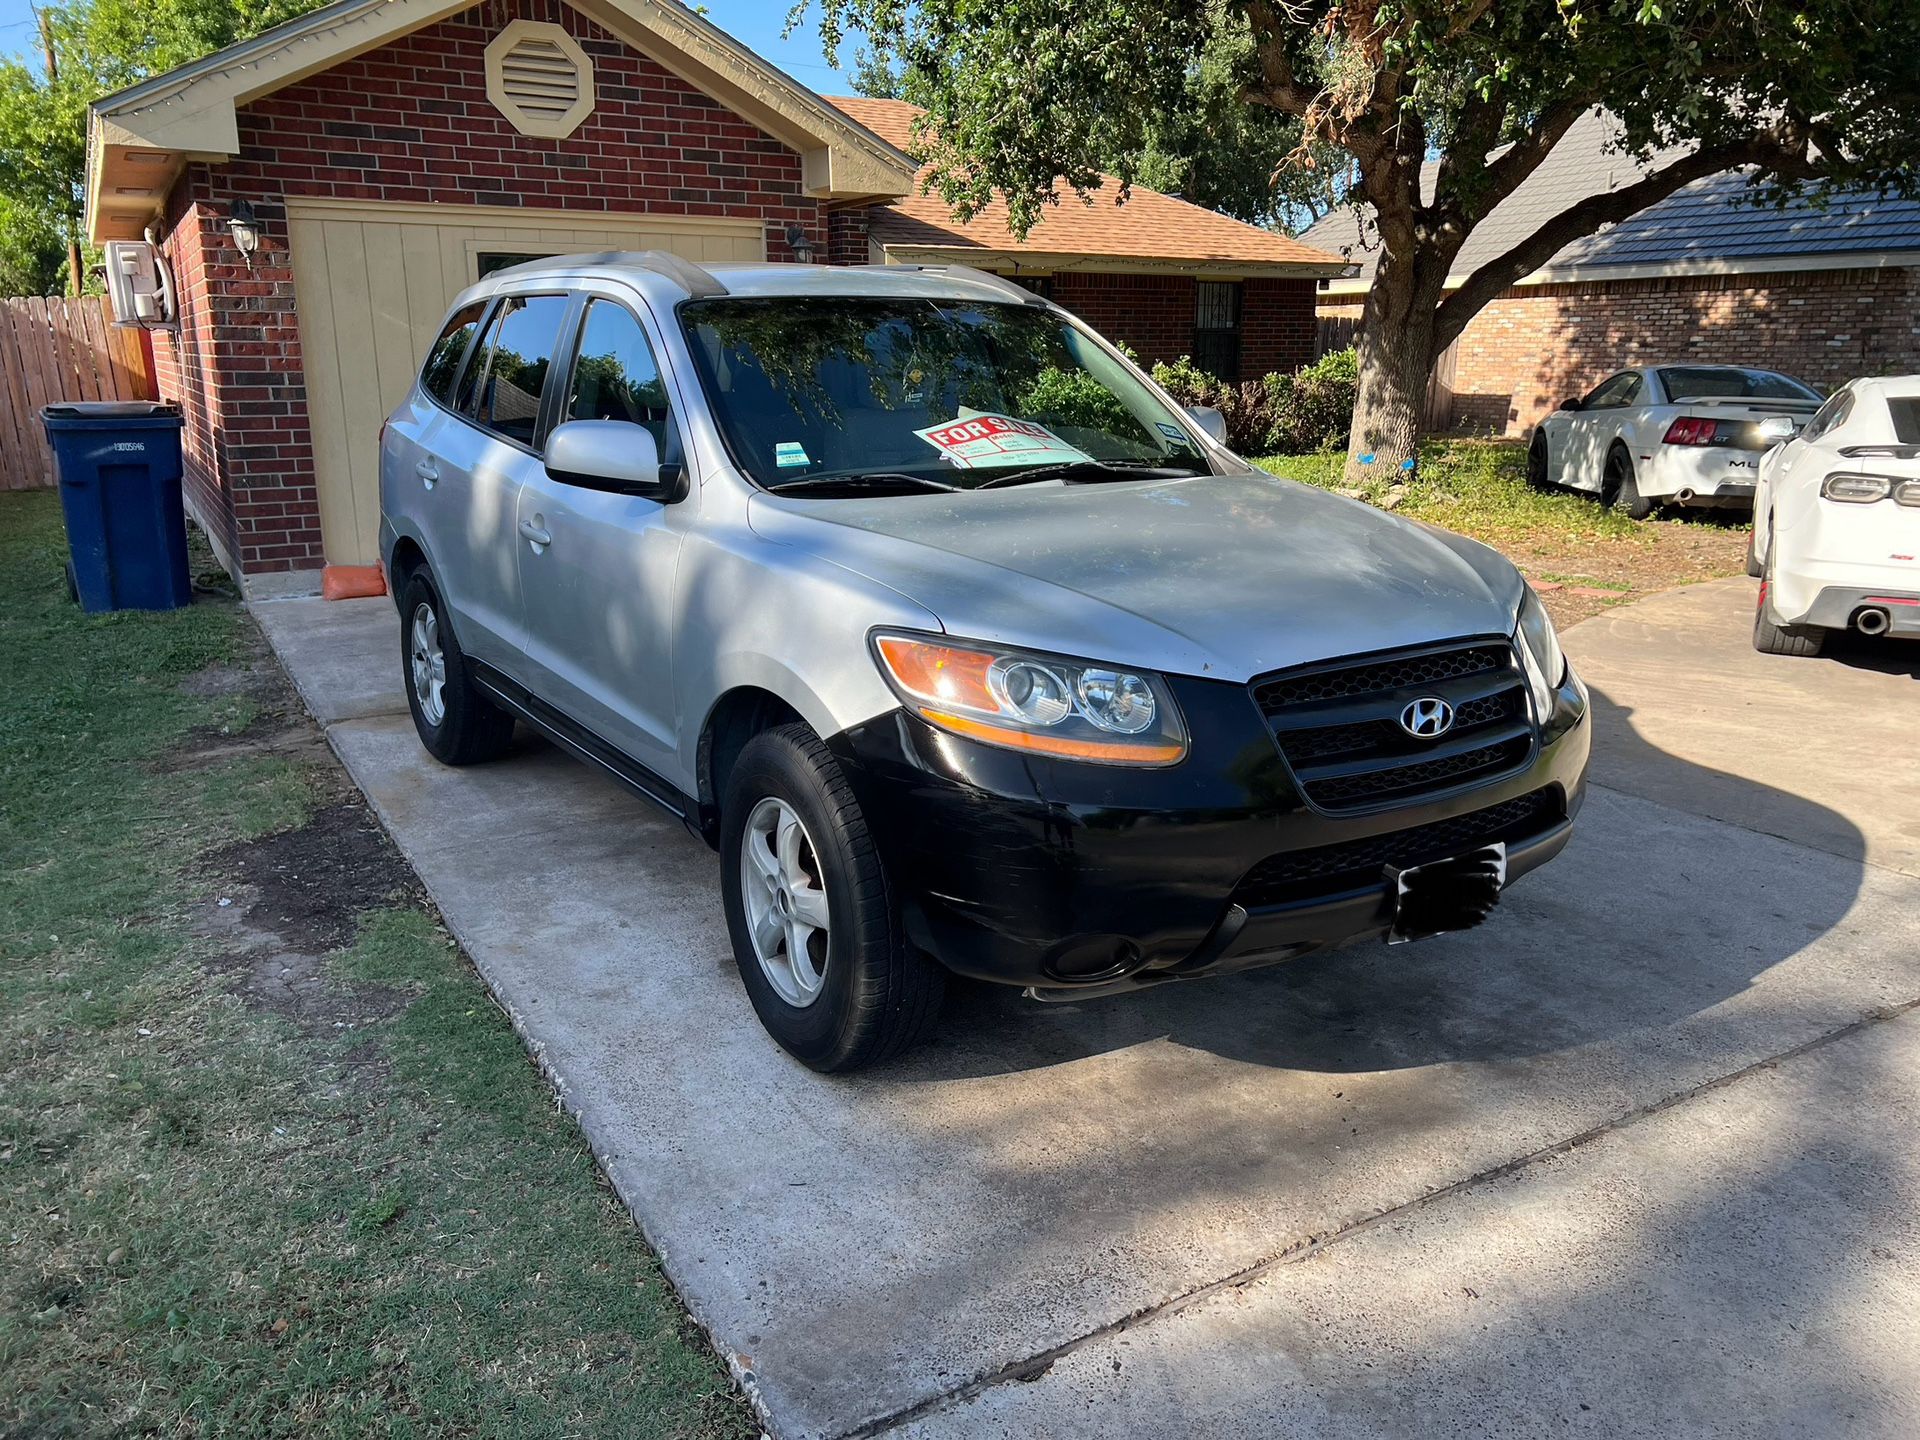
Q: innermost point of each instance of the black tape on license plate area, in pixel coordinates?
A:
(1446, 895)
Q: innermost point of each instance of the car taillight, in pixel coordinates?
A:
(1688, 430)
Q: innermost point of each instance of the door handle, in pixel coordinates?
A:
(428, 472)
(536, 533)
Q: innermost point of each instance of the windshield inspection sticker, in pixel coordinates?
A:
(978, 442)
(790, 452)
(1174, 433)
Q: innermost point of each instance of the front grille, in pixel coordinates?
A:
(1338, 725)
(1296, 875)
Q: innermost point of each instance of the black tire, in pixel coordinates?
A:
(877, 994)
(1537, 462)
(1772, 639)
(469, 728)
(1620, 488)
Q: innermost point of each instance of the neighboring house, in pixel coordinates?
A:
(1167, 277)
(380, 155)
(1822, 293)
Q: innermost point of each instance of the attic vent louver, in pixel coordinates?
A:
(540, 79)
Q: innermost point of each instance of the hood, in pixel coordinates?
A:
(1221, 576)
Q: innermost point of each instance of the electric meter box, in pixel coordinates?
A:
(135, 284)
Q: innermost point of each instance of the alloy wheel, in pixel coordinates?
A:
(429, 665)
(787, 911)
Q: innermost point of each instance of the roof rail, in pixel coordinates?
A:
(695, 279)
(987, 278)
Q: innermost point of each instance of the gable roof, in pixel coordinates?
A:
(1147, 232)
(140, 139)
(1702, 229)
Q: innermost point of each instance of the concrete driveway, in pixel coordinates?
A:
(1637, 1158)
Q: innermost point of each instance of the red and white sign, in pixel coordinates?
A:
(979, 441)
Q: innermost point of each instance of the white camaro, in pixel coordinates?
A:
(1666, 435)
(1836, 521)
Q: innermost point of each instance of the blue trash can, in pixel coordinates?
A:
(118, 466)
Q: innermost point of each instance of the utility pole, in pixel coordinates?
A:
(74, 278)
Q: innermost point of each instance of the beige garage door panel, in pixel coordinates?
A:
(372, 284)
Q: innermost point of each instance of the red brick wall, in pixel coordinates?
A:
(1154, 315)
(411, 122)
(1532, 348)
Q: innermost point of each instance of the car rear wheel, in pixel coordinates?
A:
(1770, 638)
(457, 722)
(815, 928)
(1620, 489)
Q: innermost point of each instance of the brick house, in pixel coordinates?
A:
(320, 193)
(1824, 294)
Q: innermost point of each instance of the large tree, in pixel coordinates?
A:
(1806, 95)
(97, 46)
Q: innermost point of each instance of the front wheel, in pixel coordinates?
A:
(815, 928)
(1537, 462)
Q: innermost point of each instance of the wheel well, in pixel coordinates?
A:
(737, 717)
(407, 557)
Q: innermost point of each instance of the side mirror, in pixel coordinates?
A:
(1211, 422)
(613, 455)
(1776, 428)
(1572, 402)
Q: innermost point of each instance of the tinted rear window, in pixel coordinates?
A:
(443, 360)
(1906, 418)
(1686, 382)
(503, 384)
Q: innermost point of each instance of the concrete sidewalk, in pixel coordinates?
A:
(1335, 1197)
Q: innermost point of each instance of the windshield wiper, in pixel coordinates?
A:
(1091, 472)
(859, 481)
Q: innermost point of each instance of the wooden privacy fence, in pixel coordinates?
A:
(55, 350)
(1337, 332)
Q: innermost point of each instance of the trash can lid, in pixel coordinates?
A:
(108, 409)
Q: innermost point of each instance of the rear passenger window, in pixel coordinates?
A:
(443, 360)
(616, 377)
(503, 383)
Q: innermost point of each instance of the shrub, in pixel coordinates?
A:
(1311, 409)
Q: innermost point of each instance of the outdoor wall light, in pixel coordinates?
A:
(245, 227)
(801, 244)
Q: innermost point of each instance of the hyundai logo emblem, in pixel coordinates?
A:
(1427, 719)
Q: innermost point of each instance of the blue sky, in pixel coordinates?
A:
(757, 22)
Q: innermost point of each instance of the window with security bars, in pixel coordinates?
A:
(1216, 328)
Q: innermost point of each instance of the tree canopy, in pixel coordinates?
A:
(1799, 94)
(99, 46)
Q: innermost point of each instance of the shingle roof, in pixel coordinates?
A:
(1147, 226)
(1708, 223)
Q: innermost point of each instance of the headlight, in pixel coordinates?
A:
(1546, 664)
(1025, 701)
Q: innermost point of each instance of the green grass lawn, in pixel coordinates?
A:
(233, 1203)
(1476, 487)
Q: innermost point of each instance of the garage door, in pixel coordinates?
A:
(372, 283)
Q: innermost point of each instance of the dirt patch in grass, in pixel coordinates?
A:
(309, 886)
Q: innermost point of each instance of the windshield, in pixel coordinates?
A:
(1716, 382)
(952, 392)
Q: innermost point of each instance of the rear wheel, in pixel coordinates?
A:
(1619, 488)
(1770, 638)
(815, 929)
(456, 721)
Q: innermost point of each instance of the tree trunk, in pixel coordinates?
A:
(1396, 354)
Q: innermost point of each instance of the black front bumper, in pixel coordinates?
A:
(1046, 873)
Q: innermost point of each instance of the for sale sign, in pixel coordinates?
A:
(976, 442)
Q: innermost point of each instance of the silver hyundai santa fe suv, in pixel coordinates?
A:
(965, 646)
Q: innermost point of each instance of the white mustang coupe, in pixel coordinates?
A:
(1666, 435)
(1836, 521)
